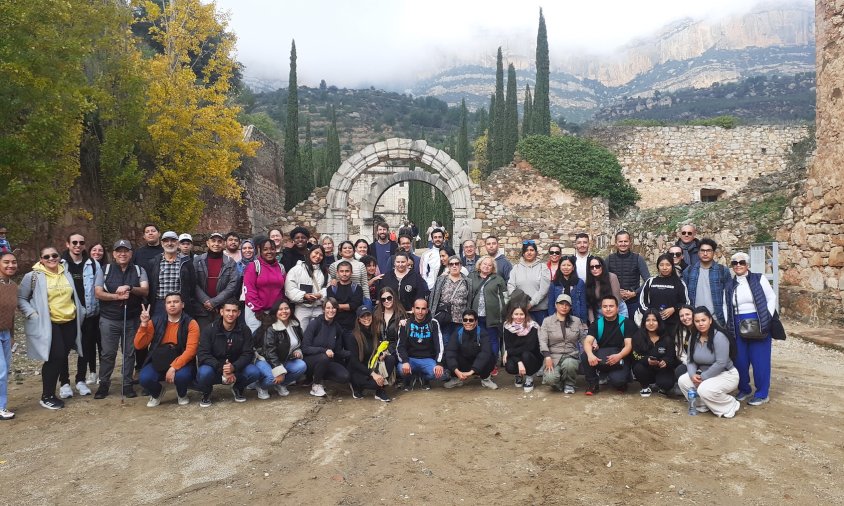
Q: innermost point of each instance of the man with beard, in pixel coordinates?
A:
(429, 262)
(84, 272)
(216, 280)
(382, 248)
(299, 251)
(502, 265)
(232, 246)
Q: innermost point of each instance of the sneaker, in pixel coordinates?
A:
(529, 384)
(317, 390)
(426, 384)
(757, 401)
(5, 414)
(488, 383)
(155, 401)
(238, 394)
(252, 386)
(263, 394)
(408, 384)
(592, 389)
(182, 401)
(82, 388)
(356, 393)
(519, 381)
(568, 389)
(129, 393)
(494, 371)
(645, 392)
(742, 396)
(206, 400)
(51, 402)
(732, 413)
(603, 380)
(91, 378)
(282, 390)
(65, 392)
(453, 382)
(382, 396)
(102, 392)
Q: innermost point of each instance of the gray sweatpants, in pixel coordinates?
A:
(112, 332)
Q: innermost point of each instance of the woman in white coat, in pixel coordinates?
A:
(305, 286)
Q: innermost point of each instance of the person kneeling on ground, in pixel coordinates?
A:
(607, 346)
(365, 352)
(522, 357)
(323, 349)
(279, 352)
(225, 355)
(172, 338)
(710, 367)
(654, 357)
(559, 337)
(420, 349)
(469, 353)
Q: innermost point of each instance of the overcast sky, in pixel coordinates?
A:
(382, 42)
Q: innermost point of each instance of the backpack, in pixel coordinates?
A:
(621, 321)
(460, 335)
(108, 268)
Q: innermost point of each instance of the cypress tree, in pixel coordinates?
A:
(463, 148)
(307, 158)
(511, 117)
(541, 100)
(490, 152)
(332, 161)
(483, 120)
(499, 119)
(528, 114)
(293, 177)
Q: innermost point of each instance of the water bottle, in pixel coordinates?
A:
(692, 398)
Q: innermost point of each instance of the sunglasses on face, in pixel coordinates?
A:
(677, 255)
(387, 298)
(78, 243)
(468, 320)
(593, 267)
(51, 256)
(454, 264)
(687, 233)
(738, 262)
(555, 252)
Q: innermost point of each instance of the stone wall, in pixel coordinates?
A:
(813, 268)
(674, 165)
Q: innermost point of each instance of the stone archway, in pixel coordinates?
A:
(449, 179)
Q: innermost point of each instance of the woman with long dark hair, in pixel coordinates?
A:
(324, 350)
(306, 284)
(653, 355)
(364, 355)
(601, 283)
(264, 285)
(710, 367)
(682, 336)
(565, 281)
(664, 292)
(281, 350)
(8, 303)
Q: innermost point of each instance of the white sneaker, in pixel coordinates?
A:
(65, 392)
(568, 389)
(317, 390)
(5, 414)
(82, 388)
(453, 382)
(91, 378)
(488, 383)
(528, 384)
(183, 401)
(282, 390)
(252, 386)
(262, 393)
(153, 401)
(732, 413)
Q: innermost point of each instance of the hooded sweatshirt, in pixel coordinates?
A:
(533, 279)
(262, 290)
(59, 295)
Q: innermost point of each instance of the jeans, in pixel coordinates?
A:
(151, 379)
(617, 377)
(422, 367)
(112, 334)
(492, 332)
(295, 369)
(207, 377)
(5, 365)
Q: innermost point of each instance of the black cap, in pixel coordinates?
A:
(363, 310)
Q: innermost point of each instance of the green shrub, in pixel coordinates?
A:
(719, 121)
(581, 165)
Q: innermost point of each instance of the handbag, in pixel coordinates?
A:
(162, 356)
(749, 328)
(603, 353)
(443, 314)
(777, 330)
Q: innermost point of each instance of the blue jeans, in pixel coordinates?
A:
(151, 380)
(295, 369)
(5, 365)
(492, 332)
(422, 367)
(207, 377)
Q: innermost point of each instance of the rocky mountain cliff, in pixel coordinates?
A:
(774, 38)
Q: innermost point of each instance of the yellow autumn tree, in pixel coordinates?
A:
(195, 139)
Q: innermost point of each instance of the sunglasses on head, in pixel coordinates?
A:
(468, 320)
(738, 262)
(387, 298)
(529, 242)
(51, 256)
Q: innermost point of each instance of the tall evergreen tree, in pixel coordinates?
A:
(527, 117)
(490, 150)
(293, 178)
(332, 156)
(541, 99)
(499, 119)
(511, 117)
(463, 148)
(483, 122)
(307, 158)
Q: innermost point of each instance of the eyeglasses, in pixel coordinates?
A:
(687, 233)
(78, 243)
(454, 264)
(738, 262)
(677, 255)
(555, 252)
(707, 250)
(529, 242)
(387, 298)
(51, 256)
(596, 266)
(468, 320)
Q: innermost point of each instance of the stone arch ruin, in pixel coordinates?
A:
(449, 178)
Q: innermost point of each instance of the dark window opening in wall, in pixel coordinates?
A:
(710, 194)
(640, 180)
(662, 178)
(737, 179)
(689, 179)
(764, 151)
(676, 179)
(713, 179)
(652, 180)
(700, 179)
(723, 178)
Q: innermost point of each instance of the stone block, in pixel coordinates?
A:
(836, 257)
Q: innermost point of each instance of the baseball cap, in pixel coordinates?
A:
(122, 243)
(216, 234)
(185, 237)
(564, 298)
(170, 235)
(363, 310)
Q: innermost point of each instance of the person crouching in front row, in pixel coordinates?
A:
(420, 349)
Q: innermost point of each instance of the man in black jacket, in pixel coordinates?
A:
(349, 296)
(469, 354)
(420, 348)
(225, 355)
(217, 280)
(630, 268)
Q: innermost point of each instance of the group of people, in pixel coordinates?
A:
(269, 312)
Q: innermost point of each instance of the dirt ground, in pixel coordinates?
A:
(462, 446)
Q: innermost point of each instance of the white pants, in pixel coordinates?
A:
(714, 393)
(305, 314)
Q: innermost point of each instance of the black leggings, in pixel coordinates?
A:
(63, 339)
(323, 368)
(91, 347)
(532, 363)
(365, 381)
(647, 375)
